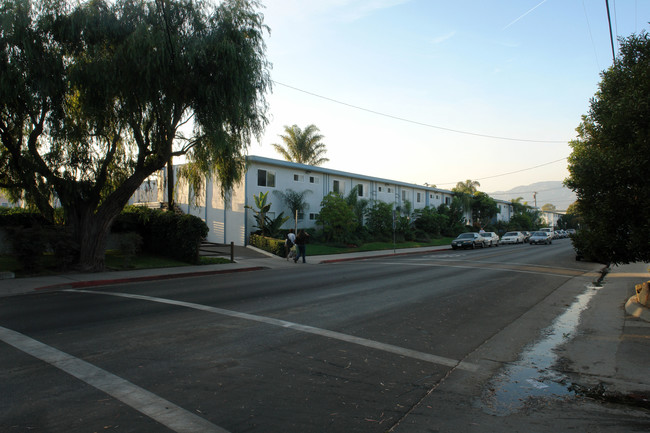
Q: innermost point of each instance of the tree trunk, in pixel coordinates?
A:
(90, 231)
(170, 185)
(90, 225)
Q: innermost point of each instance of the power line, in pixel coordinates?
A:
(414, 121)
(593, 44)
(511, 172)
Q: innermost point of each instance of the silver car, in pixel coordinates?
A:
(541, 238)
(468, 240)
(490, 239)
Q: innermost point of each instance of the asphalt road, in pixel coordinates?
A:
(346, 347)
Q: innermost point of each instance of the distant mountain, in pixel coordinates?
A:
(553, 192)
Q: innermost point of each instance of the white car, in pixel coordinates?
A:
(513, 238)
(490, 238)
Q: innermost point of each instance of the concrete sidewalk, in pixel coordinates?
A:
(246, 259)
(609, 355)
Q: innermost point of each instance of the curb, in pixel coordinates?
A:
(94, 283)
(635, 309)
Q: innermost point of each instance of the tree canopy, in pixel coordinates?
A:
(468, 187)
(609, 163)
(97, 96)
(484, 208)
(549, 207)
(302, 146)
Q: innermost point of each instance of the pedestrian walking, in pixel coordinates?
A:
(301, 241)
(289, 242)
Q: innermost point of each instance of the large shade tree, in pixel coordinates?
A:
(609, 163)
(302, 146)
(97, 96)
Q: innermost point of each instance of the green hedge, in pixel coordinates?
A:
(272, 245)
(19, 217)
(165, 233)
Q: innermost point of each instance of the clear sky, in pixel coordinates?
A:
(416, 90)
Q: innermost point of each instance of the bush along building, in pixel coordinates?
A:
(232, 219)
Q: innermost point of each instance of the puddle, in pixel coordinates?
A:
(531, 376)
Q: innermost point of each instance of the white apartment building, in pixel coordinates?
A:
(230, 221)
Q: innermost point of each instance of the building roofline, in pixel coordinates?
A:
(316, 169)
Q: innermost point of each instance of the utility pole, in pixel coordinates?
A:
(535, 198)
(611, 36)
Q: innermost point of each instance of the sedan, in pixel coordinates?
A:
(513, 238)
(541, 238)
(491, 238)
(468, 240)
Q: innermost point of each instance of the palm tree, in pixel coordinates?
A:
(468, 187)
(295, 201)
(302, 146)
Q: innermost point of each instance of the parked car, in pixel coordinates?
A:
(491, 238)
(541, 238)
(468, 240)
(512, 238)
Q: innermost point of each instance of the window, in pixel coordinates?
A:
(403, 195)
(389, 190)
(447, 200)
(336, 187)
(418, 198)
(265, 178)
(298, 178)
(313, 216)
(379, 189)
(360, 190)
(301, 216)
(313, 179)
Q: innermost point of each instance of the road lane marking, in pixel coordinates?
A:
(401, 351)
(536, 270)
(157, 408)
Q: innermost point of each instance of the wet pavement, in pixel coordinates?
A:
(534, 374)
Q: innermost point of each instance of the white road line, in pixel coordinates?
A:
(165, 412)
(401, 351)
(446, 265)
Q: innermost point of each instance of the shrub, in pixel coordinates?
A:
(66, 250)
(19, 217)
(130, 244)
(165, 233)
(28, 244)
(272, 245)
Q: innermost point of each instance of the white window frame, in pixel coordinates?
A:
(269, 177)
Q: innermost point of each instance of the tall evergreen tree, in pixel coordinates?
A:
(611, 155)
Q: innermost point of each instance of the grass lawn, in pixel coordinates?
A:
(114, 262)
(117, 262)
